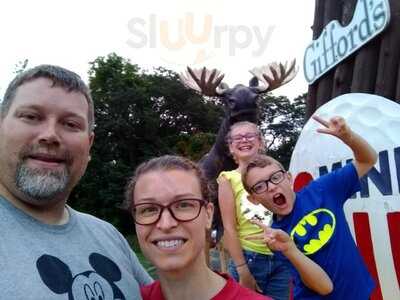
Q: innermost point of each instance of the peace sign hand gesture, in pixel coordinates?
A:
(336, 126)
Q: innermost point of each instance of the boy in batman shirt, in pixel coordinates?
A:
(314, 217)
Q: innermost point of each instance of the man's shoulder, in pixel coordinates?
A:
(90, 220)
(87, 217)
(93, 226)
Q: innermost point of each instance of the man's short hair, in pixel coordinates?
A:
(66, 79)
(259, 161)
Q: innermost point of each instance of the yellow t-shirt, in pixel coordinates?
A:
(245, 210)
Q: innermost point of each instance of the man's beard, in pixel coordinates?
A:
(42, 186)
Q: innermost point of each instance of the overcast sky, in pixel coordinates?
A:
(227, 35)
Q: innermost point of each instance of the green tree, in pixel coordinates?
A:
(281, 123)
(138, 115)
(21, 66)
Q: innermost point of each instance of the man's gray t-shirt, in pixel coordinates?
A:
(86, 258)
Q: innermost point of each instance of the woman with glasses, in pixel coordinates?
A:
(168, 199)
(251, 263)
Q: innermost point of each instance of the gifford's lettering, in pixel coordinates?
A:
(337, 42)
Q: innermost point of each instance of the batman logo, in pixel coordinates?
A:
(314, 230)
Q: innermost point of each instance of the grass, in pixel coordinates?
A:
(132, 240)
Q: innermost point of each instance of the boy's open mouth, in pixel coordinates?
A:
(279, 199)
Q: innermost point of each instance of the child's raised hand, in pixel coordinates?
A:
(336, 126)
(276, 239)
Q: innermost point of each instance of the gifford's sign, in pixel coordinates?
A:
(337, 42)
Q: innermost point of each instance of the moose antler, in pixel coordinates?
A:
(274, 75)
(203, 80)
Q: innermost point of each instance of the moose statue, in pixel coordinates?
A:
(240, 104)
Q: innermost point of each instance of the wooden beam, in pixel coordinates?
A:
(344, 71)
(365, 67)
(332, 11)
(389, 55)
(317, 27)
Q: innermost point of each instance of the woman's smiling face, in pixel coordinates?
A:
(171, 245)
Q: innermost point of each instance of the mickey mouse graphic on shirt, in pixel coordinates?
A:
(98, 284)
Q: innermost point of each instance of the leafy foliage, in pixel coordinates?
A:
(282, 121)
(21, 66)
(138, 116)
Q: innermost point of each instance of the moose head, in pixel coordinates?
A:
(240, 103)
